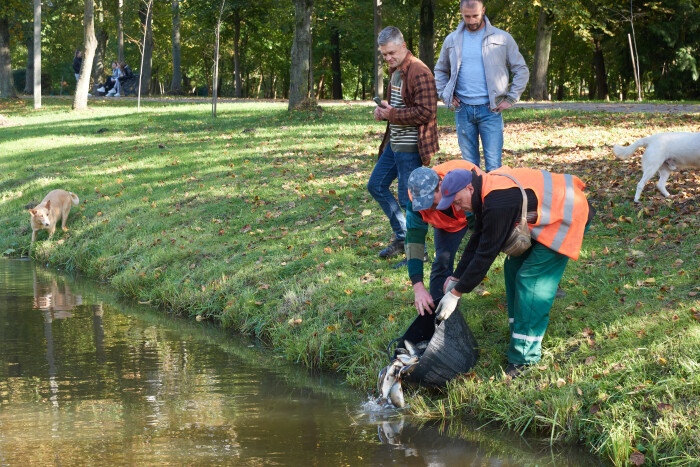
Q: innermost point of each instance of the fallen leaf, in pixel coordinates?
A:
(637, 458)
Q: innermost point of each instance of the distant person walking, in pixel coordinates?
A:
(472, 78)
(411, 137)
(77, 62)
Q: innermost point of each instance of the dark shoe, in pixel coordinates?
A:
(401, 264)
(514, 370)
(395, 248)
(561, 293)
(426, 258)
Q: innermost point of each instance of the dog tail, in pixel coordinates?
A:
(623, 152)
(74, 199)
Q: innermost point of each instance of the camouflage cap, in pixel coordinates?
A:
(422, 184)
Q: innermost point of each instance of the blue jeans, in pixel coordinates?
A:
(391, 166)
(473, 121)
(446, 244)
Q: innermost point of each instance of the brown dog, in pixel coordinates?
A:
(56, 205)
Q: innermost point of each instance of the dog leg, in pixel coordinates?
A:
(650, 165)
(33, 236)
(664, 173)
(64, 218)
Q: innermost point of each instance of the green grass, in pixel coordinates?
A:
(259, 220)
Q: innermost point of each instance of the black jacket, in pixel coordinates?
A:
(77, 62)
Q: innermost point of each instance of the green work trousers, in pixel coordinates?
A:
(531, 283)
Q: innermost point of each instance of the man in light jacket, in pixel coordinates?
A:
(472, 77)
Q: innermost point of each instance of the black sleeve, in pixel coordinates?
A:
(499, 213)
(76, 64)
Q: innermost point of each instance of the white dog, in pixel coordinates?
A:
(664, 153)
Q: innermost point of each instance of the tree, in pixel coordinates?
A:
(543, 43)
(216, 61)
(146, 16)
(378, 69)
(146, 23)
(120, 30)
(101, 34)
(176, 84)
(37, 54)
(81, 88)
(7, 85)
(426, 43)
(301, 86)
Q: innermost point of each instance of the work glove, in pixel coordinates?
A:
(447, 305)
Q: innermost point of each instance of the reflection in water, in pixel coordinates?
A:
(49, 297)
(114, 384)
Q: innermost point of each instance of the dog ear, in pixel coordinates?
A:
(32, 212)
(48, 204)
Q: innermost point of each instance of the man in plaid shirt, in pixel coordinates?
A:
(411, 137)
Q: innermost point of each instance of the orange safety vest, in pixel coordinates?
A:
(562, 209)
(439, 219)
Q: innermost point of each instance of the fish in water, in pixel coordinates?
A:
(389, 378)
(396, 395)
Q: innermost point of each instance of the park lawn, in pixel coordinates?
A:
(259, 220)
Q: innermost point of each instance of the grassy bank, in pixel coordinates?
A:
(260, 220)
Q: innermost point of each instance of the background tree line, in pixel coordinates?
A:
(575, 49)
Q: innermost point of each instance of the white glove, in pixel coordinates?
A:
(447, 305)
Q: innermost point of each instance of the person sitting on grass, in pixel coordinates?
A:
(558, 214)
(126, 73)
(111, 87)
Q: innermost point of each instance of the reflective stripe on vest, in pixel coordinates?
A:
(562, 209)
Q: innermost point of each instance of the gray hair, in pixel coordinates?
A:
(470, 3)
(390, 34)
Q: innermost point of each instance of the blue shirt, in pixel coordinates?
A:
(471, 82)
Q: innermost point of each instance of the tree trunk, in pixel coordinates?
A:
(321, 84)
(545, 26)
(37, 54)
(29, 75)
(215, 91)
(378, 70)
(335, 64)
(426, 42)
(237, 53)
(176, 85)
(120, 30)
(147, 60)
(81, 88)
(601, 77)
(300, 85)
(98, 72)
(7, 85)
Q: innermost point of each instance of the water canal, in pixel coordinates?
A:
(88, 379)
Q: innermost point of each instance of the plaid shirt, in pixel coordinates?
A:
(420, 95)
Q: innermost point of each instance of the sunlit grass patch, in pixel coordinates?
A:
(260, 220)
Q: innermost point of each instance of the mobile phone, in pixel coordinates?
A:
(379, 102)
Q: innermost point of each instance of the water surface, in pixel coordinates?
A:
(88, 379)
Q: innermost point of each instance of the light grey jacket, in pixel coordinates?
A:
(500, 54)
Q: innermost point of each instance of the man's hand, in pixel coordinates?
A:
(382, 114)
(424, 302)
(455, 102)
(447, 305)
(503, 106)
(449, 284)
